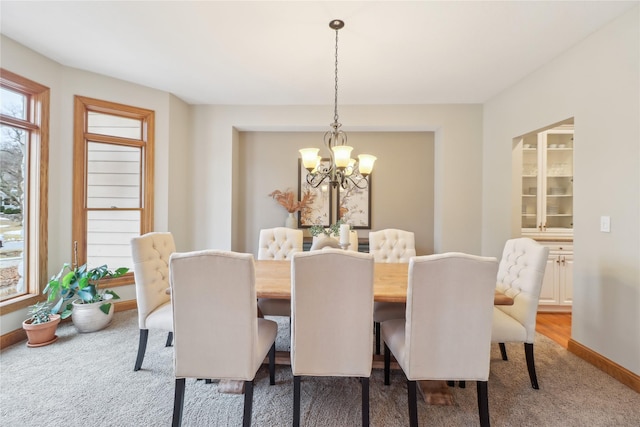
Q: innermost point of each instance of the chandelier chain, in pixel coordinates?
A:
(335, 100)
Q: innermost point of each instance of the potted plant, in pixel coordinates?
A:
(41, 325)
(287, 200)
(76, 292)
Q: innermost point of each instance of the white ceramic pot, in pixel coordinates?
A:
(89, 317)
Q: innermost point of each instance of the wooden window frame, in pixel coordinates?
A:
(35, 251)
(82, 106)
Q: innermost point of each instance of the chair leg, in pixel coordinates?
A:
(296, 401)
(503, 351)
(169, 339)
(483, 403)
(272, 364)
(462, 384)
(142, 347)
(528, 352)
(178, 402)
(365, 401)
(413, 403)
(387, 364)
(376, 325)
(248, 402)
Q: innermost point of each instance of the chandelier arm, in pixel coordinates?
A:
(361, 184)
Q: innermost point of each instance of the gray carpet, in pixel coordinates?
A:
(88, 379)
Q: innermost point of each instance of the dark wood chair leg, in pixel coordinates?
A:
(451, 383)
(142, 347)
(503, 351)
(178, 402)
(365, 401)
(413, 403)
(248, 402)
(169, 339)
(387, 364)
(462, 384)
(272, 364)
(376, 326)
(296, 401)
(531, 366)
(483, 403)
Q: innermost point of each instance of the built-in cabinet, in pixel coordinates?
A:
(547, 183)
(557, 287)
(547, 213)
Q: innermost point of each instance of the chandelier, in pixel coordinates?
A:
(342, 170)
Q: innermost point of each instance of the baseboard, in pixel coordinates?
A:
(18, 335)
(609, 367)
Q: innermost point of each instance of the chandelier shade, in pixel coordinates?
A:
(342, 170)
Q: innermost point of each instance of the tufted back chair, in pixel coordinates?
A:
(218, 334)
(520, 276)
(392, 245)
(151, 254)
(447, 331)
(332, 305)
(279, 243)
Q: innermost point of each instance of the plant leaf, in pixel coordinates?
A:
(105, 308)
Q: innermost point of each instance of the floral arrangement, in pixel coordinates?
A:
(333, 230)
(287, 200)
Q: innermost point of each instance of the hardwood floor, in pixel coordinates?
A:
(556, 326)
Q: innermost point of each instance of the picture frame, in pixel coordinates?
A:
(354, 206)
(320, 211)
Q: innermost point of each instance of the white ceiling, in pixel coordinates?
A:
(282, 52)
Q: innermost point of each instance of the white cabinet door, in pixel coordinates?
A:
(566, 280)
(549, 290)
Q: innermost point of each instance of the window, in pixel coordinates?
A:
(24, 157)
(113, 182)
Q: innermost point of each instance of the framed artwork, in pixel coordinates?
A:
(319, 210)
(354, 206)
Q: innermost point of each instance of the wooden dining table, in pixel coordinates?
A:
(273, 280)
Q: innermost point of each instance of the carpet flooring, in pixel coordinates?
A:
(88, 380)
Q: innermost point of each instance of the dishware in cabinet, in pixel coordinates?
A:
(547, 182)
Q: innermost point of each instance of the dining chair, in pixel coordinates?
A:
(218, 334)
(387, 246)
(436, 341)
(332, 305)
(150, 253)
(520, 277)
(278, 243)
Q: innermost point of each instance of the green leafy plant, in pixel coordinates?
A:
(80, 283)
(40, 312)
(333, 230)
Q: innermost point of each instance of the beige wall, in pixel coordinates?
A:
(457, 196)
(269, 161)
(64, 83)
(597, 83)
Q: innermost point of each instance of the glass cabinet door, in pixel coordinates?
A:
(547, 181)
(530, 168)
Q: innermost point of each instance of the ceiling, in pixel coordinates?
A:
(282, 52)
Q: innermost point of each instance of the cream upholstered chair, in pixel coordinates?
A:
(436, 342)
(332, 305)
(520, 276)
(390, 245)
(151, 254)
(217, 331)
(278, 243)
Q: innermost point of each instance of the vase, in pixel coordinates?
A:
(89, 317)
(292, 221)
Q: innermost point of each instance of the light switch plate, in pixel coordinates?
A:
(605, 224)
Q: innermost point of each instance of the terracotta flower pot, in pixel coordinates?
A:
(41, 334)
